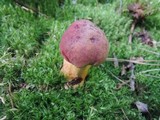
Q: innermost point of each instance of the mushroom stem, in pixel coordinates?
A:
(72, 72)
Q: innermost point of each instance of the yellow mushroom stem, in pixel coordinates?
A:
(71, 72)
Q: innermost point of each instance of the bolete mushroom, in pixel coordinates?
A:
(82, 45)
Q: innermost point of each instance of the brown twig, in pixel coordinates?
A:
(120, 85)
(124, 114)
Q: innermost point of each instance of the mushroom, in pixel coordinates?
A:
(82, 45)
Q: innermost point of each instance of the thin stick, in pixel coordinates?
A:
(144, 62)
(148, 75)
(126, 60)
(117, 78)
(131, 31)
(150, 70)
(120, 85)
(124, 114)
(10, 95)
(158, 54)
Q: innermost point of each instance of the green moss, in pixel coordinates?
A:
(30, 62)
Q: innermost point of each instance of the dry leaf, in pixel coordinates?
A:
(142, 107)
(137, 10)
(73, 82)
(145, 38)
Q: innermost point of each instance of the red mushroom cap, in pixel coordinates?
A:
(83, 44)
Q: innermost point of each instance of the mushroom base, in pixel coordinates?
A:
(71, 72)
